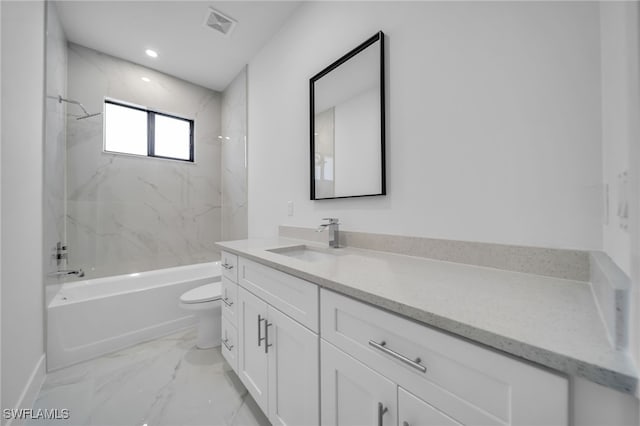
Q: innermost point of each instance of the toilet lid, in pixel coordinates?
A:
(204, 293)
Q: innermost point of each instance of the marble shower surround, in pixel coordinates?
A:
(127, 213)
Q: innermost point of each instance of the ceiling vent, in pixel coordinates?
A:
(219, 22)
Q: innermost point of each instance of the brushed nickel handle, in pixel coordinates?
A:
(266, 337)
(227, 302)
(226, 344)
(260, 339)
(381, 410)
(226, 266)
(411, 363)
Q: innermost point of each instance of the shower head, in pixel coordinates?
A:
(82, 117)
(71, 101)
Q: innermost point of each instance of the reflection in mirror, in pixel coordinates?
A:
(347, 124)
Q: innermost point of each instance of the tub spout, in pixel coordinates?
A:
(64, 272)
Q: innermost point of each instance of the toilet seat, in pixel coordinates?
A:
(205, 293)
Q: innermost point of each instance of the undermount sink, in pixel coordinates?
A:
(306, 253)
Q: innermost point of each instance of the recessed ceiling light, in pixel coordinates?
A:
(151, 53)
(145, 79)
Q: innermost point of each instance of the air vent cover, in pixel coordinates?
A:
(219, 22)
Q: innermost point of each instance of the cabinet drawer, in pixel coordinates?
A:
(229, 265)
(477, 384)
(229, 347)
(230, 301)
(291, 295)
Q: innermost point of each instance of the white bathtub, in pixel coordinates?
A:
(93, 317)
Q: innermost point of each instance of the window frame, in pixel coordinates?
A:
(151, 115)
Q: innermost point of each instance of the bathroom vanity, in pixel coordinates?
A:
(350, 336)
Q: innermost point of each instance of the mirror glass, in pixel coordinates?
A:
(347, 124)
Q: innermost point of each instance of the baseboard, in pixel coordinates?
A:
(31, 390)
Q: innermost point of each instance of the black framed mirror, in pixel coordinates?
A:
(347, 124)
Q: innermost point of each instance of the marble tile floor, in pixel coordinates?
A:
(163, 382)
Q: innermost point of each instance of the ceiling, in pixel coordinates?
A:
(186, 48)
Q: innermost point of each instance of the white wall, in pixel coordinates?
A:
(233, 155)
(616, 121)
(357, 145)
(21, 198)
(55, 152)
(620, 32)
(1, 386)
(493, 121)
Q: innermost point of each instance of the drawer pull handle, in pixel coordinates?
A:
(260, 338)
(411, 363)
(381, 410)
(226, 344)
(227, 302)
(266, 337)
(226, 266)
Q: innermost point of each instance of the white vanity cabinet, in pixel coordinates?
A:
(311, 356)
(278, 356)
(437, 379)
(229, 289)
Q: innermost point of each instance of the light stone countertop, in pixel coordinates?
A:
(550, 321)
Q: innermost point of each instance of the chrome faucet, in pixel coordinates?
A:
(334, 233)
(64, 272)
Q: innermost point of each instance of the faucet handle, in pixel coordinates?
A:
(332, 220)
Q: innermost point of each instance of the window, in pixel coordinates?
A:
(139, 131)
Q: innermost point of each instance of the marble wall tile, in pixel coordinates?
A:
(234, 166)
(127, 213)
(54, 145)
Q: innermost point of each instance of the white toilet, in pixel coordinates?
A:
(205, 302)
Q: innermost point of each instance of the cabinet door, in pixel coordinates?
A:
(413, 411)
(252, 358)
(353, 394)
(293, 372)
(229, 300)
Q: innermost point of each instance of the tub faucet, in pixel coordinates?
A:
(64, 272)
(60, 254)
(334, 233)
